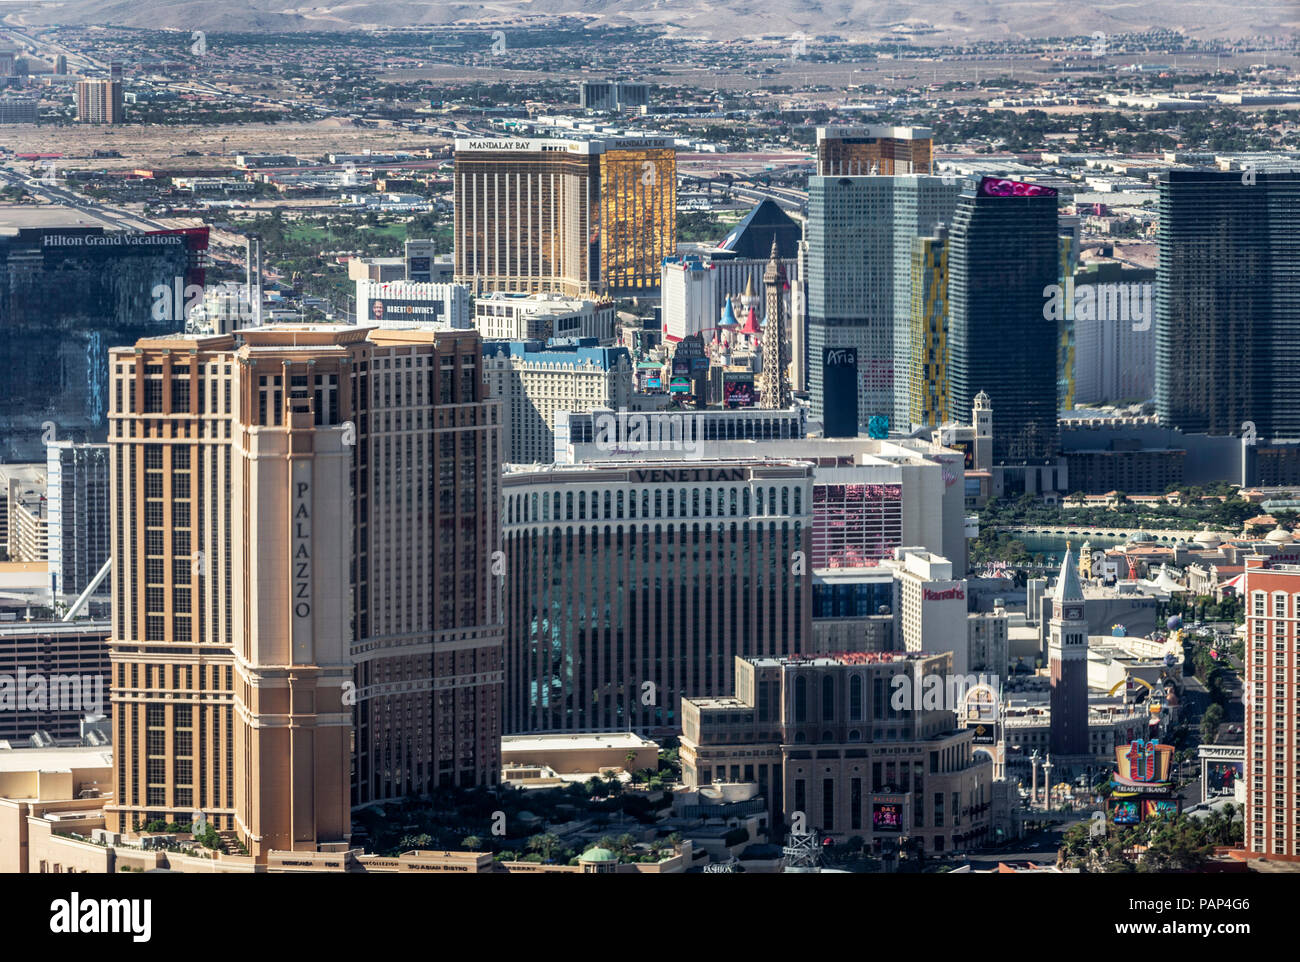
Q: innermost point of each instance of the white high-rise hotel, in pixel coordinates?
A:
(536, 380)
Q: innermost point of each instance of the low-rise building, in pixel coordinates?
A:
(404, 304)
(506, 316)
(836, 753)
(586, 754)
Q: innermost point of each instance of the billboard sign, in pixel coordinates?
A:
(390, 309)
(840, 392)
(738, 389)
(887, 817)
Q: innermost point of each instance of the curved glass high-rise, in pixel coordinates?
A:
(1002, 259)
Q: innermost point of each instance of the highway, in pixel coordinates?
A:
(787, 198)
(51, 191)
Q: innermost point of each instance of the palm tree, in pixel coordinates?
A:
(472, 842)
(544, 844)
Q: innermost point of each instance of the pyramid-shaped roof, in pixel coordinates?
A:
(766, 224)
(1067, 583)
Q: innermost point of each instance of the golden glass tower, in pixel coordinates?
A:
(638, 217)
(578, 217)
(849, 151)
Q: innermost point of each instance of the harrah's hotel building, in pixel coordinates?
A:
(303, 611)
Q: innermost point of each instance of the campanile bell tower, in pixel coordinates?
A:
(1068, 660)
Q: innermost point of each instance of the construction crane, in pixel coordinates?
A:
(90, 590)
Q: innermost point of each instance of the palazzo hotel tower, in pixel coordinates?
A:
(303, 614)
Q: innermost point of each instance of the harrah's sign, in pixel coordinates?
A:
(948, 594)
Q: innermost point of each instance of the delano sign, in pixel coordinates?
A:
(300, 595)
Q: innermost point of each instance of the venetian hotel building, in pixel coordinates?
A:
(565, 215)
(629, 585)
(301, 522)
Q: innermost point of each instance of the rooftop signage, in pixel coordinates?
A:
(1001, 187)
(529, 145)
(558, 145)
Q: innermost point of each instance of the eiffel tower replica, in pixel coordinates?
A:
(773, 387)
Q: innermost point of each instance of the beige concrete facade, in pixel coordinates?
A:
(1272, 813)
(287, 600)
(832, 755)
(581, 754)
(99, 102)
(534, 385)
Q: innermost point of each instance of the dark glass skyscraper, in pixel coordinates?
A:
(1228, 302)
(70, 290)
(1002, 259)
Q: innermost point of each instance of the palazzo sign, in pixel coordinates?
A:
(300, 547)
